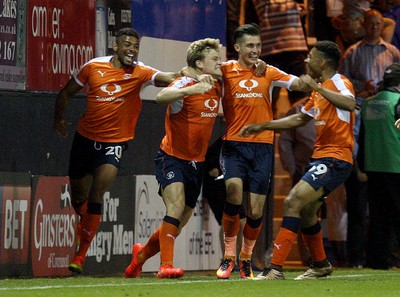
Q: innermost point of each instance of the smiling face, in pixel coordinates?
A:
(211, 64)
(313, 63)
(249, 50)
(126, 50)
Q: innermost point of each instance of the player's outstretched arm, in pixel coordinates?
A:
(163, 79)
(289, 122)
(172, 94)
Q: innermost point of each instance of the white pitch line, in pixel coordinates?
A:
(113, 285)
(162, 283)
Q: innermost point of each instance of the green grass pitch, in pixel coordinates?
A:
(343, 282)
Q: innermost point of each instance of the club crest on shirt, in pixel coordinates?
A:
(170, 175)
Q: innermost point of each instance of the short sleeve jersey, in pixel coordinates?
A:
(247, 99)
(189, 122)
(334, 126)
(113, 102)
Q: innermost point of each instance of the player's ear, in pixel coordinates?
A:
(236, 47)
(114, 46)
(199, 64)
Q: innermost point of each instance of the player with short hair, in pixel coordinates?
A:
(331, 104)
(247, 163)
(113, 105)
(189, 121)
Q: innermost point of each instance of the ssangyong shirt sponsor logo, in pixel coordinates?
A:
(248, 85)
(211, 104)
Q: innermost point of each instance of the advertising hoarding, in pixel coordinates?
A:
(12, 44)
(53, 225)
(196, 248)
(61, 38)
(15, 203)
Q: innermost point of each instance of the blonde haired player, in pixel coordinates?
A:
(189, 121)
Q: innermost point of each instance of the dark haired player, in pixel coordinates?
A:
(331, 104)
(112, 109)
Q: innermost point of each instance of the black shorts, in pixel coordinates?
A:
(252, 162)
(86, 155)
(327, 173)
(171, 170)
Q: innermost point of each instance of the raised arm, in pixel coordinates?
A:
(163, 79)
(345, 102)
(172, 94)
(300, 86)
(62, 101)
(289, 122)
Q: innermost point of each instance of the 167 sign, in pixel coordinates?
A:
(7, 50)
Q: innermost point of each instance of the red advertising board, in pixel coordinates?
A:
(15, 205)
(61, 38)
(15, 222)
(53, 225)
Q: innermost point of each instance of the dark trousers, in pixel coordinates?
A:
(384, 208)
(357, 201)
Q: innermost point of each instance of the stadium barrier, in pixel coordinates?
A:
(38, 224)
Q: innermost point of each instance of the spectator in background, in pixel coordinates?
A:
(284, 44)
(350, 24)
(393, 12)
(365, 62)
(381, 142)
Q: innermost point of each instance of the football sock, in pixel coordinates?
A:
(313, 240)
(284, 240)
(80, 210)
(230, 247)
(151, 248)
(231, 226)
(90, 222)
(168, 233)
(247, 249)
(251, 230)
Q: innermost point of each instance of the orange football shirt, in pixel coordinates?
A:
(113, 101)
(247, 99)
(334, 126)
(189, 122)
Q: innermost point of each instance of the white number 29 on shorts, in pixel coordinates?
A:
(317, 170)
